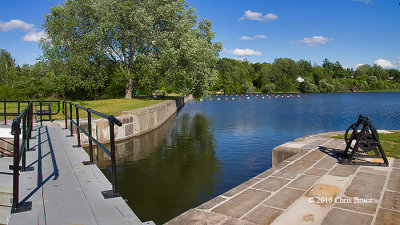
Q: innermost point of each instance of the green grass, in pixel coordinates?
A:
(390, 143)
(106, 106)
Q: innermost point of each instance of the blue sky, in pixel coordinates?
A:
(351, 31)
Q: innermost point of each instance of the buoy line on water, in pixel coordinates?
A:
(254, 96)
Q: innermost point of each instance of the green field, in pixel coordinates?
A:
(390, 143)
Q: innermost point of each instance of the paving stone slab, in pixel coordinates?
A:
(304, 182)
(267, 173)
(376, 170)
(326, 163)
(284, 198)
(314, 155)
(343, 170)
(366, 185)
(396, 163)
(316, 171)
(291, 171)
(240, 188)
(212, 203)
(197, 217)
(272, 184)
(359, 206)
(242, 203)
(394, 184)
(339, 216)
(263, 215)
(391, 200)
(387, 217)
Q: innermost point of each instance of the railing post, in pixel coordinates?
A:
(5, 113)
(78, 135)
(41, 119)
(24, 122)
(113, 160)
(65, 111)
(90, 135)
(70, 124)
(30, 119)
(15, 131)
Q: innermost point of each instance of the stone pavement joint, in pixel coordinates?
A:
(308, 186)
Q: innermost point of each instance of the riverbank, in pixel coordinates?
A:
(309, 187)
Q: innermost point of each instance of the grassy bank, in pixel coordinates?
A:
(106, 106)
(390, 143)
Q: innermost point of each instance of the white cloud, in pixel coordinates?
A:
(366, 1)
(250, 15)
(16, 25)
(247, 38)
(243, 52)
(35, 36)
(311, 42)
(261, 36)
(387, 64)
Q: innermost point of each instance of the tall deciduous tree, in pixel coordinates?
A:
(136, 36)
(7, 67)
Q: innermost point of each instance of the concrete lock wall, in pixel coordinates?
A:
(134, 122)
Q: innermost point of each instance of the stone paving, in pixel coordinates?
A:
(310, 187)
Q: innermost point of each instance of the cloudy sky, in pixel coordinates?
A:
(351, 31)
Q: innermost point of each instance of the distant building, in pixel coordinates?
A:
(390, 78)
(354, 89)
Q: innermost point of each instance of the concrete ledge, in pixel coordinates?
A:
(134, 122)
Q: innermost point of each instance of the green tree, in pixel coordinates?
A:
(307, 86)
(152, 43)
(74, 48)
(7, 68)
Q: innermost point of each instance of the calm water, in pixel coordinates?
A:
(212, 146)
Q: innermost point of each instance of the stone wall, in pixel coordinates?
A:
(134, 122)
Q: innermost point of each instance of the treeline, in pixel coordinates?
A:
(40, 81)
(287, 75)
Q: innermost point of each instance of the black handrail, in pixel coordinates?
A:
(112, 121)
(20, 149)
(5, 113)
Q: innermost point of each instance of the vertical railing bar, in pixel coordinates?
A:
(41, 119)
(24, 139)
(90, 135)
(78, 134)
(65, 111)
(15, 129)
(70, 115)
(5, 113)
(113, 160)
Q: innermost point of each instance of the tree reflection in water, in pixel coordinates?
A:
(169, 170)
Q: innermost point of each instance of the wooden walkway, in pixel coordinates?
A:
(63, 190)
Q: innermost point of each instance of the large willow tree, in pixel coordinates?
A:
(153, 43)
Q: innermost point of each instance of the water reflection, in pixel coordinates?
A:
(168, 171)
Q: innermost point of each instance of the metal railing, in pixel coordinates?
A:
(20, 146)
(68, 106)
(40, 112)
